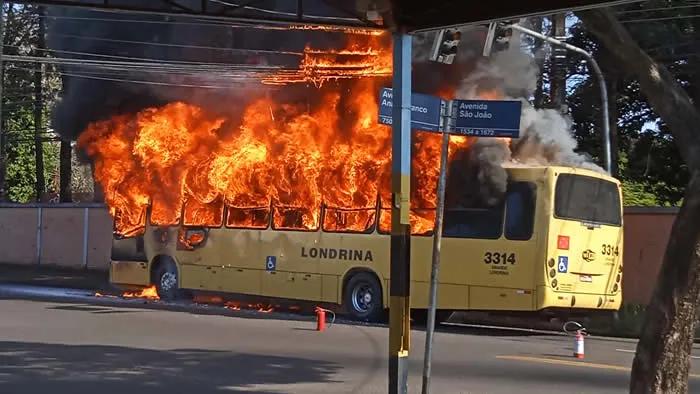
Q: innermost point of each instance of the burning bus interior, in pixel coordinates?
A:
(279, 127)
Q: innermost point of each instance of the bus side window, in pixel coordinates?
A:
(481, 223)
(165, 212)
(295, 218)
(357, 220)
(257, 218)
(199, 214)
(520, 211)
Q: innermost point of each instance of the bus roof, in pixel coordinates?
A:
(515, 167)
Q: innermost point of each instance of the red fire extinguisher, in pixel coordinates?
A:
(578, 345)
(320, 319)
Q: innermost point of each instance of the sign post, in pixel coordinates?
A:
(480, 118)
(404, 112)
(437, 238)
(476, 118)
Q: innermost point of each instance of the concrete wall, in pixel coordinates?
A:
(65, 235)
(79, 236)
(647, 230)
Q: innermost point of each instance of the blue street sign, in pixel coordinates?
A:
(485, 118)
(425, 110)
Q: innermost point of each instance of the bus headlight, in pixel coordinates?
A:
(551, 262)
(552, 273)
(554, 283)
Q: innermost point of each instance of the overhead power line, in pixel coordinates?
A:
(356, 23)
(154, 83)
(660, 9)
(131, 58)
(625, 22)
(216, 23)
(121, 65)
(168, 45)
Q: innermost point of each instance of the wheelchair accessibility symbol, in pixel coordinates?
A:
(271, 263)
(563, 265)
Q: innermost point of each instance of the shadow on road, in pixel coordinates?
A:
(77, 369)
(112, 306)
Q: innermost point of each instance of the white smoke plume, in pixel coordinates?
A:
(545, 134)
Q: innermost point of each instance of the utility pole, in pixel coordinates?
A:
(558, 70)
(39, 106)
(65, 171)
(3, 136)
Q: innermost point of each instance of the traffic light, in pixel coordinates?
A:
(498, 38)
(445, 46)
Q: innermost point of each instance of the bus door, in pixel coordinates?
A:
(198, 245)
(586, 234)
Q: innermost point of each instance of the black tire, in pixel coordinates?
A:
(167, 281)
(362, 297)
(420, 316)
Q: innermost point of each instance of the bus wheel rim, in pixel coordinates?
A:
(362, 298)
(168, 281)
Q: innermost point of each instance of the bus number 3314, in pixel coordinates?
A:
(499, 258)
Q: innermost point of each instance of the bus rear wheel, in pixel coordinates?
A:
(167, 281)
(362, 297)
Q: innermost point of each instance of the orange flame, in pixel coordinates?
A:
(281, 159)
(149, 293)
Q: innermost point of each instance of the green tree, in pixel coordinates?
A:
(20, 39)
(651, 160)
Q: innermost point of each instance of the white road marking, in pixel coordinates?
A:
(634, 351)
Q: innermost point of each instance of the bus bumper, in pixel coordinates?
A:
(548, 298)
(129, 273)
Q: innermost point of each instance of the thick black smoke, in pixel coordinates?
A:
(476, 175)
(94, 94)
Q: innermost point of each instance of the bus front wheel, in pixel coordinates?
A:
(167, 281)
(363, 297)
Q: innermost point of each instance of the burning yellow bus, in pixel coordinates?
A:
(552, 244)
(286, 194)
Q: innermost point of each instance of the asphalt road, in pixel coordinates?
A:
(48, 347)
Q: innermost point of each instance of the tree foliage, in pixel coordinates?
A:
(650, 166)
(20, 39)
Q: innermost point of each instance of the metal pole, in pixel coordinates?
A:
(400, 255)
(437, 238)
(86, 232)
(3, 138)
(601, 81)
